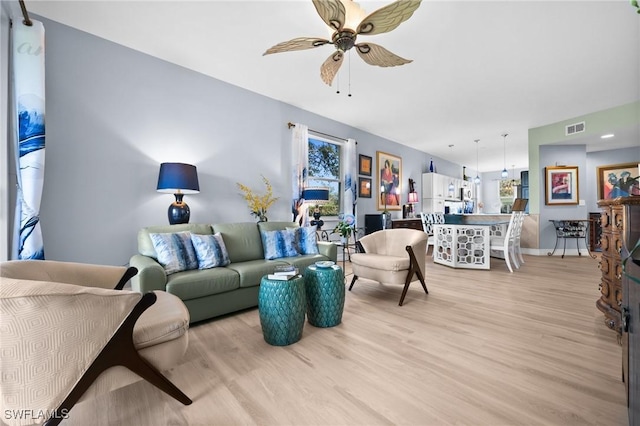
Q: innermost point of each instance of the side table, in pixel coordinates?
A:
(282, 305)
(325, 289)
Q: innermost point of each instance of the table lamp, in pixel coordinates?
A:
(317, 196)
(178, 179)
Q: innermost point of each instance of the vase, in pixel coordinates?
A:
(263, 218)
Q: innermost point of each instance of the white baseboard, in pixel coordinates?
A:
(544, 252)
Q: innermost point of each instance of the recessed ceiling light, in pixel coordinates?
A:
(607, 136)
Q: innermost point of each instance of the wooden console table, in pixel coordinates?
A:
(407, 223)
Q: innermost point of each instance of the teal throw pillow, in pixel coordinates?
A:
(210, 250)
(175, 251)
(306, 239)
(277, 244)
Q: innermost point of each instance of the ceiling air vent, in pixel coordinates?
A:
(572, 129)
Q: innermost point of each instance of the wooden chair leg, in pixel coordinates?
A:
(120, 350)
(414, 269)
(353, 281)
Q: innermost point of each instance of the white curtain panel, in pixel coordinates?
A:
(300, 162)
(350, 184)
(29, 109)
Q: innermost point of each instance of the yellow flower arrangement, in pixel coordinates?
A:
(259, 204)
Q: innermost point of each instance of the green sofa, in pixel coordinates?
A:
(209, 293)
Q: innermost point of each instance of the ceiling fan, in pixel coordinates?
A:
(348, 20)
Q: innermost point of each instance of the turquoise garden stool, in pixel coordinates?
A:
(324, 288)
(282, 308)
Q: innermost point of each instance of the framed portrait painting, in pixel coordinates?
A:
(364, 165)
(561, 185)
(389, 186)
(618, 180)
(364, 185)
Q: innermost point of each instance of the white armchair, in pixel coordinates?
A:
(63, 325)
(391, 256)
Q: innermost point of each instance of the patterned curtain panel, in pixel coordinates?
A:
(28, 89)
(349, 165)
(300, 167)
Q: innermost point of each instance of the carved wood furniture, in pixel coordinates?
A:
(620, 222)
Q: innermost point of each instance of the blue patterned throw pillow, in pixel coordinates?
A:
(278, 244)
(175, 251)
(210, 250)
(306, 239)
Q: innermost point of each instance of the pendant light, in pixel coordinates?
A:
(505, 173)
(476, 180)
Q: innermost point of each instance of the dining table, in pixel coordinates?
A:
(466, 245)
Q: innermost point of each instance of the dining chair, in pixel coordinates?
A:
(519, 205)
(508, 246)
(428, 220)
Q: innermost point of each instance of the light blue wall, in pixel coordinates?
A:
(114, 114)
(556, 155)
(603, 158)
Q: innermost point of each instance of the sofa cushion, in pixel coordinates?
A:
(242, 240)
(210, 250)
(278, 244)
(306, 239)
(175, 251)
(145, 246)
(251, 272)
(199, 283)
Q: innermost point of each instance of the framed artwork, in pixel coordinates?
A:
(364, 165)
(618, 180)
(365, 187)
(561, 185)
(389, 188)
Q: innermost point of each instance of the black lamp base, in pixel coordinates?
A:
(179, 211)
(317, 222)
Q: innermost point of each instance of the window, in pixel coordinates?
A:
(508, 193)
(324, 170)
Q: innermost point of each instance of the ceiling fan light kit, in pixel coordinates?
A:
(348, 20)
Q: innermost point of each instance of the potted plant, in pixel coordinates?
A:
(258, 204)
(345, 227)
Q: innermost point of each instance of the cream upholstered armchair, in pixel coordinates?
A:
(391, 256)
(63, 324)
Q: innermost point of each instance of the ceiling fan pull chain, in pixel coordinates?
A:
(349, 95)
(338, 84)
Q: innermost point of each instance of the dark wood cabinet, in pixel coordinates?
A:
(620, 224)
(631, 334)
(407, 223)
(595, 231)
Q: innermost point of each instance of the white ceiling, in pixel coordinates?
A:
(479, 68)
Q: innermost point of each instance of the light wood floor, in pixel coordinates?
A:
(483, 348)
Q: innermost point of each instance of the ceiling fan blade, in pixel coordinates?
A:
(378, 55)
(330, 67)
(388, 17)
(332, 12)
(300, 43)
